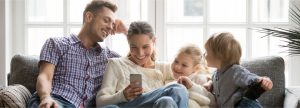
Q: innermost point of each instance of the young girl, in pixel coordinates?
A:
(189, 68)
(230, 80)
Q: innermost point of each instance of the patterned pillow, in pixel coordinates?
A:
(14, 96)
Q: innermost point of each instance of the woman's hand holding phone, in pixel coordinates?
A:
(134, 89)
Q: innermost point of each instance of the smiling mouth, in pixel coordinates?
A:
(140, 58)
(178, 72)
(105, 33)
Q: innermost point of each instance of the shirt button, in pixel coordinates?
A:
(87, 76)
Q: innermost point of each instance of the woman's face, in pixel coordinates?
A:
(141, 49)
(183, 65)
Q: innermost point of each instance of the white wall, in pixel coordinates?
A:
(2, 44)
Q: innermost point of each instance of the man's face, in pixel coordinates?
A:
(102, 24)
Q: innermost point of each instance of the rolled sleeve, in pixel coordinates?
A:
(244, 77)
(50, 52)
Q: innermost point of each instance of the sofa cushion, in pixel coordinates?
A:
(14, 96)
(24, 71)
(272, 67)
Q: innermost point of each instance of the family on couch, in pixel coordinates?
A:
(75, 71)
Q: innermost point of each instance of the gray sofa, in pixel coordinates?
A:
(24, 71)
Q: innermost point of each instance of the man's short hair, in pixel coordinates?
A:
(224, 47)
(96, 5)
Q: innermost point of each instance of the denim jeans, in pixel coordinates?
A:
(172, 96)
(248, 103)
(62, 103)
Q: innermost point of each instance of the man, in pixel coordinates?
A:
(71, 68)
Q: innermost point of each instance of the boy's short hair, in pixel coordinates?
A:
(95, 5)
(224, 47)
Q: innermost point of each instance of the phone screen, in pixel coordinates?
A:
(136, 80)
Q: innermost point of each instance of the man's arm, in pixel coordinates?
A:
(44, 84)
(119, 27)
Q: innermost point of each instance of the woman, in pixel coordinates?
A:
(116, 89)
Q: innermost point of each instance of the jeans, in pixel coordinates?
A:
(62, 103)
(248, 103)
(172, 96)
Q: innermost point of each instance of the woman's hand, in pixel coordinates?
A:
(185, 81)
(119, 27)
(131, 92)
(266, 83)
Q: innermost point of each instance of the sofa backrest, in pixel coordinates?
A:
(272, 67)
(24, 71)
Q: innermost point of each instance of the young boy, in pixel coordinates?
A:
(231, 80)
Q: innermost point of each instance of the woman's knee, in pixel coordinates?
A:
(177, 89)
(165, 99)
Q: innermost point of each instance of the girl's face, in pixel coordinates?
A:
(183, 65)
(141, 49)
(211, 60)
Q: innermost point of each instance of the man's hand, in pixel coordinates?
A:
(48, 102)
(119, 27)
(185, 81)
(131, 92)
(266, 83)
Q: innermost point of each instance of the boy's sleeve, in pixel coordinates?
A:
(50, 51)
(244, 77)
(107, 94)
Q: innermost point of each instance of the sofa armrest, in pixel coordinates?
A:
(14, 96)
(8, 77)
(292, 97)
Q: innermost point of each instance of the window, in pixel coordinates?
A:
(54, 18)
(176, 22)
(193, 21)
(50, 18)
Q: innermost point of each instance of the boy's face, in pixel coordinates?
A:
(211, 60)
(183, 65)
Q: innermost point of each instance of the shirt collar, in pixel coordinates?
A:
(74, 40)
(224, 69)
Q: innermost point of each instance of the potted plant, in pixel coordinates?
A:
(290, 35)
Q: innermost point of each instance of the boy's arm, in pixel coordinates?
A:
(266, 83)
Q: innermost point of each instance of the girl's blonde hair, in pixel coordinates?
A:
(198, 59)
(224, 47)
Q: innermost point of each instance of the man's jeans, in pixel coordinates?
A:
(62, 103)
(172, 96)
(248, 103)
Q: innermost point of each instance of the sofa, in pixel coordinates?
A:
(24, 71)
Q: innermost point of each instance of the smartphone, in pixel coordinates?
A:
(136, 80)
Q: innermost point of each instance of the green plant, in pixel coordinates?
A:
(290, 35)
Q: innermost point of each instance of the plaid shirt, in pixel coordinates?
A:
(78, 71)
